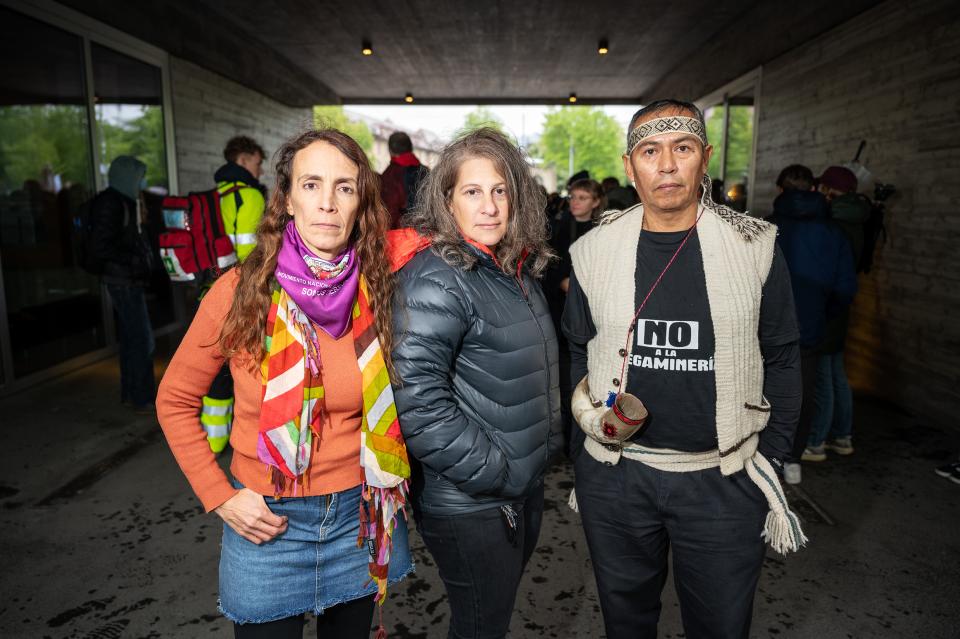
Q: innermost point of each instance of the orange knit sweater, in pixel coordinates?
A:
(335, 461)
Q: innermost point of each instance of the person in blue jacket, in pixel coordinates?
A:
(824, 281)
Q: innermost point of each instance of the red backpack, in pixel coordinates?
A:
(194, 246)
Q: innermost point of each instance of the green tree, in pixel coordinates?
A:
(597, 139)
(142, 137)
(333, 116)
(480, 117)
(739, 143)
(35, 138)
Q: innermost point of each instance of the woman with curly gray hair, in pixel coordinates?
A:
(475, 354)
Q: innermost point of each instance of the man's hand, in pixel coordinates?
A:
(247, 513)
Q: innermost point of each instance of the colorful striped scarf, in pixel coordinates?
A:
(293, 412)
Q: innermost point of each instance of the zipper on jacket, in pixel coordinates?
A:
(546, 359)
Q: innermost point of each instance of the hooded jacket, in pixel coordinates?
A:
(478, 396)
(117, 237)
(821, 263)
(241, 210)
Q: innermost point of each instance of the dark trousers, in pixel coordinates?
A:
(345, 620)
(137, 384)
(633, 515)
(222, 385)
(809, 359)
(481, 560)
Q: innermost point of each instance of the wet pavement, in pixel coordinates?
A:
(102, 537)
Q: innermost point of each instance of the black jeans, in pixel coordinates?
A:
(809, 359)
(481, 560)
(137, 384)
(633, 514)
(345, 620)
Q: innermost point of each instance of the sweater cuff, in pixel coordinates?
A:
(213, 497)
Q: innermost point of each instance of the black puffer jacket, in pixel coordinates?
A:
(478, 402)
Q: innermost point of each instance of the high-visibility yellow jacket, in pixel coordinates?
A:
(241, 223)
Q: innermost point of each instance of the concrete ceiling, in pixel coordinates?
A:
(304, 52)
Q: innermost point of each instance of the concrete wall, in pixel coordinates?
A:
(890, 76)
(209, 109)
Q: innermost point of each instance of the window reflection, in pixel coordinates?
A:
(128, 99)
(53, 307)
(730, 131)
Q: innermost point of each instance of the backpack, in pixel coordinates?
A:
(874, 231)
(194, 247)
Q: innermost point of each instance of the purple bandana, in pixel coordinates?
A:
(325, 291)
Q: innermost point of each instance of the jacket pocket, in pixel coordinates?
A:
(758, 414)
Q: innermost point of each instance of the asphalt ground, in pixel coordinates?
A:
(102, 538)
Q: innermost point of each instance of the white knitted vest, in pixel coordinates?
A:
(737, 254)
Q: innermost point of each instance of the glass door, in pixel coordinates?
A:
(53, 309)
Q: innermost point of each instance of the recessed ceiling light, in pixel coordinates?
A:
(603, 48)
(367, 48)
(572, 98)
(408, 98)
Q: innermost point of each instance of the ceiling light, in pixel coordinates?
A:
(367, 48)
(572, 98)
(408, 98)
(603, 48)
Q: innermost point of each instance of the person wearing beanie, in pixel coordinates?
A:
(126, 260)
(685, 364)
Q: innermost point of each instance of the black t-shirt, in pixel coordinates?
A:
(671, 352)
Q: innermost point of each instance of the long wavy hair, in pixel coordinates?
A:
(527, 225)
(246, 322)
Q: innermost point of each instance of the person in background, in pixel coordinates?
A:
(242, 204)
(832, 420)
(618, 197)
(476, 359)
(586, 201)
(313, 518)
(121, 247)
(824, 281)
(402, 178)
(243, 207)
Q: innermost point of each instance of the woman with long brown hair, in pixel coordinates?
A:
(313, 517)
(476, 359)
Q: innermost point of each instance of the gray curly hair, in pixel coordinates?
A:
(526, 236)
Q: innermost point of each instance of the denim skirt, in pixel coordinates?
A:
(314, 565)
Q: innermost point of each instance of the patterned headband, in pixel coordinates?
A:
(671, 124)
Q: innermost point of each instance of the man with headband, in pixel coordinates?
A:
(686, 306)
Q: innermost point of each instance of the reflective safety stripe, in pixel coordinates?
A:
(218, 410)
(227, 260)
(216, 416)
(217, 431)
(215, 420)
(244, 238)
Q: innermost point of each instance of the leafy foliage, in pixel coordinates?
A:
(334, 117)
(481, 117)
(597, 138)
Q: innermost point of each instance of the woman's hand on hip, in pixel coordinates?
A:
(247, 513)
